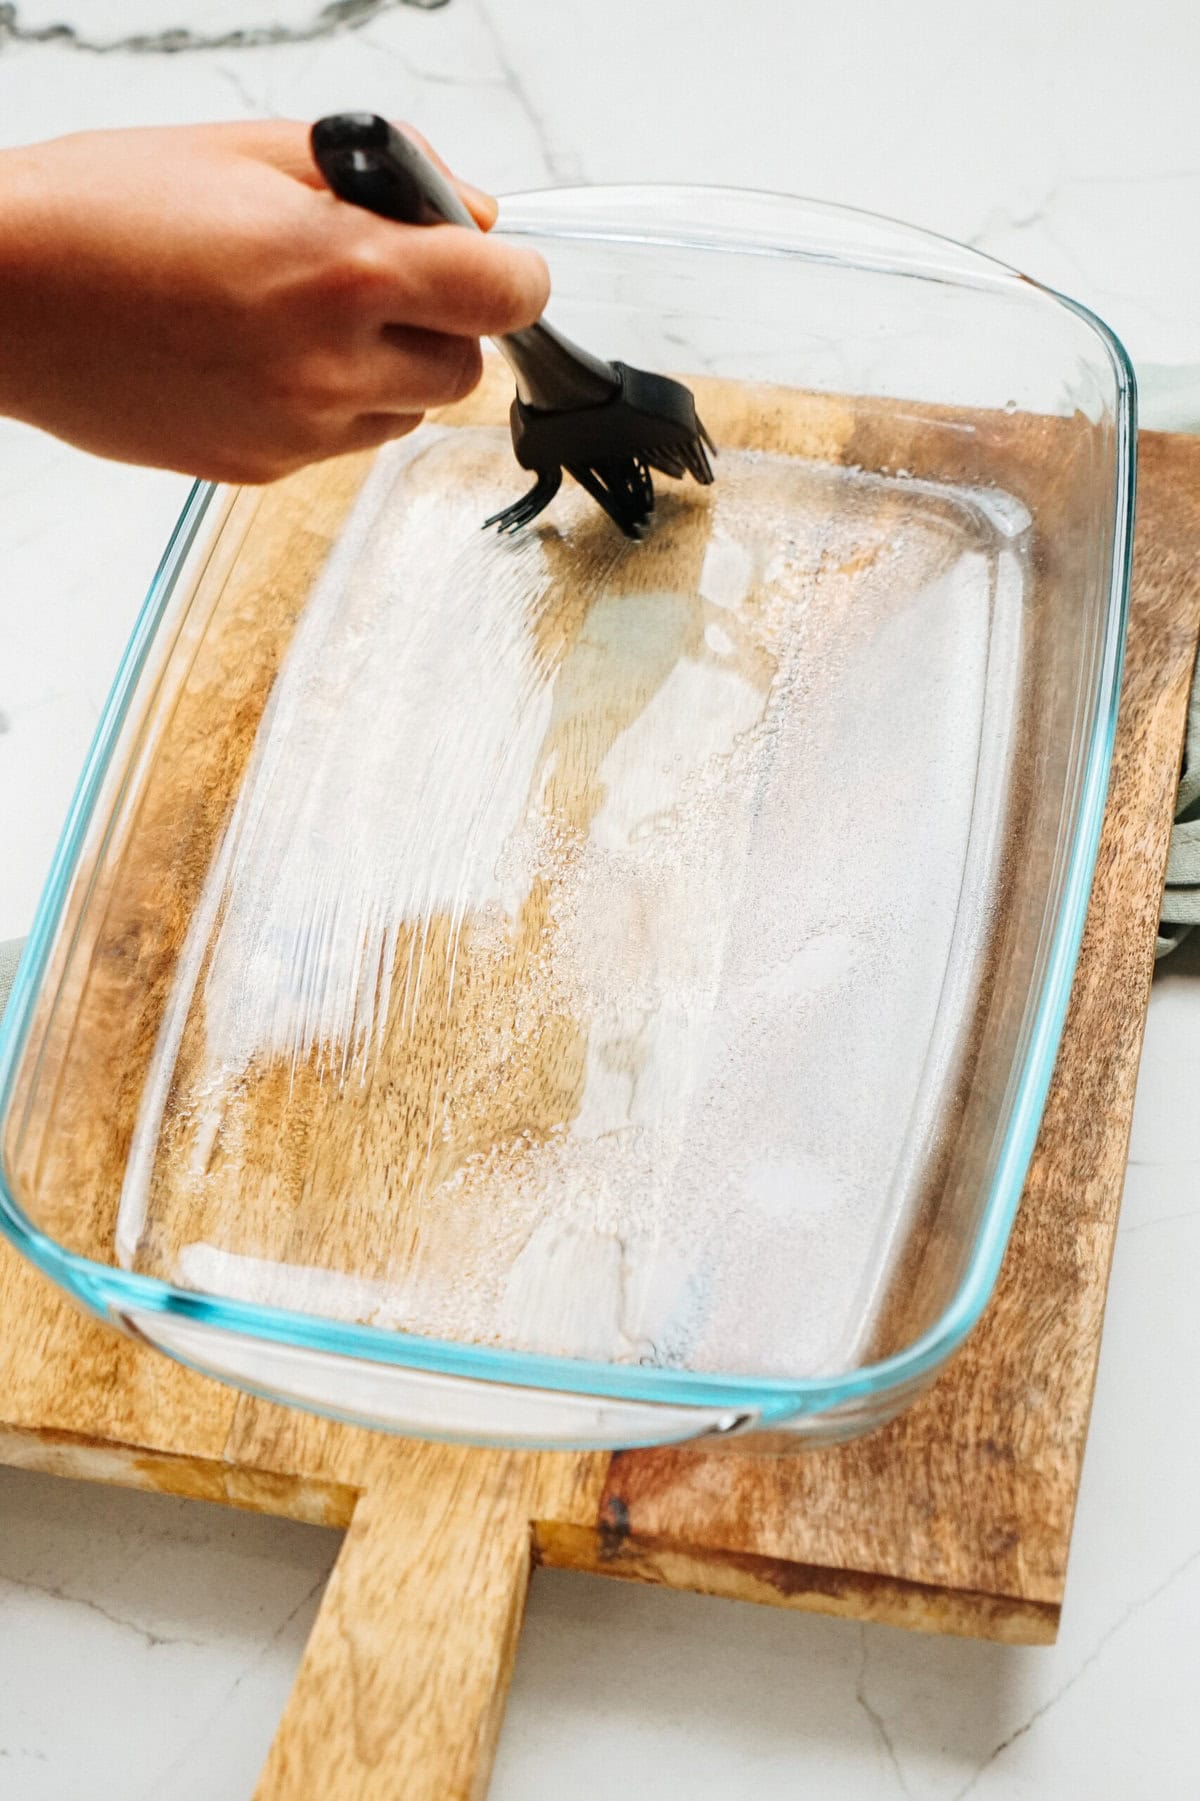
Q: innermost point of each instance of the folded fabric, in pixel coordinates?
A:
(10, 956)
(1181, 897)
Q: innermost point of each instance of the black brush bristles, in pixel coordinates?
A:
(608, 425)
(513, 517)
(650, 422)
(622, 486)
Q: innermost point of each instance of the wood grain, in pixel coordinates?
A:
(973, 1488)
(402, 1684)
(955, 1518)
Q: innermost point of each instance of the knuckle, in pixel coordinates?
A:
(465, 370)
(357, 269)
(380, 428)
(522, 287)
(319, 381)
(305, 386)
(289, 437)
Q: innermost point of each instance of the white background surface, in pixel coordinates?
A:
(146, 1646)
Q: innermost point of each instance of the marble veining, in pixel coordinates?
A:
(1077, 1675)
(26, 25)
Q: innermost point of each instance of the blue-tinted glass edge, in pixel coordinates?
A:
(107, 1291)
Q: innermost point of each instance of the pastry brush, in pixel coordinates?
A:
(606, 424)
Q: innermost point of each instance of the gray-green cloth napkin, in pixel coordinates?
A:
(1169, 400)
(1181, 897)
(10, 956)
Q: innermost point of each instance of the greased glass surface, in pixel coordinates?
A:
(478, 969)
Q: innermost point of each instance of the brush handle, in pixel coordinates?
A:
(368, 163)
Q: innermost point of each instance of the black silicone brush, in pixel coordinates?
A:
(606, 424)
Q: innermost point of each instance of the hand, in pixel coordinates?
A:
(195, 298)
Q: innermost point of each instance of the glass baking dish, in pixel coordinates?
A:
(560, 992)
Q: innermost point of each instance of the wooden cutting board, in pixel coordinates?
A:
(956, 1518)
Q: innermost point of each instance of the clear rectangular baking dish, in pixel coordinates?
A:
(564, 992)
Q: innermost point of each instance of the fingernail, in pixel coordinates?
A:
(480, 201)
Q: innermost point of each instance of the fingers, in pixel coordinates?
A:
(435, 277)
(483, 207)
(462, 282)
(356, 398)
(371, 429)
(439, 278)
(364, 431)
(420, 369)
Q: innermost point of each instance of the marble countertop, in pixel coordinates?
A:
(147, 1645)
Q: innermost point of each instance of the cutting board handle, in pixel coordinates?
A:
(401, 1688)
